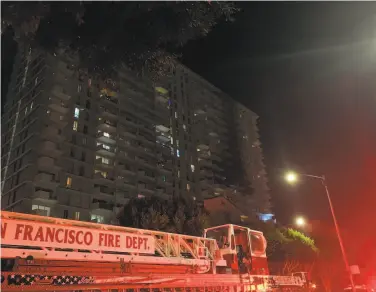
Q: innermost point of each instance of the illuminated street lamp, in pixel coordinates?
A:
(300, 221)
(292, 177)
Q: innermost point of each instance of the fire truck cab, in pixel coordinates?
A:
(243, 249)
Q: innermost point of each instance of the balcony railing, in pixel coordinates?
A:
(106, 138)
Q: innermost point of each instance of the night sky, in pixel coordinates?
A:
(309, 71)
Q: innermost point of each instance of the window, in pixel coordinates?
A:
(82, 171)
(85, 129)
(84, 141)
(177, 153)
(83, 156)
(76, 112)
(105, 161)
(106, 134)
(88, 102)
(76, 215)
(41, 210)
(188, 187)
(97, 218)
(75, 126)
(65, 215)
(68, 183)
(79, 88)
(102, 173)
(192, 168)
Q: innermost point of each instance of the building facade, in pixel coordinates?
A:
(219, 138)
(78, 146)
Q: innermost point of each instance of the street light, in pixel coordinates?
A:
(292, 177)
(300, 221)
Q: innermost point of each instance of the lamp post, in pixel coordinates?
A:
(292, 177)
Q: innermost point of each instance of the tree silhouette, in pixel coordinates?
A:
(139, 34)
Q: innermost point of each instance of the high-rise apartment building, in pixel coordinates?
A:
(223, 136)
(77, 146)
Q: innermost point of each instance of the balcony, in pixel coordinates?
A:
(162, 129)
(109, 99)
(59, 120)
(105, 150)
(123, 171)
(106, 126)
(163, 137)
(100, 163)
(130, 135)
(124, 184)
(58, 105)
(52, 134)
(102, 207)
(49, 149)
(60, 93)
(100, 178)
(45, 181)
(103, 191)
(110, 114)
(47, 163)
(204, 162)
(106, 138)
(45, 196)
(144, 162)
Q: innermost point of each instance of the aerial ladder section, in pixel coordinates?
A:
(48, 254)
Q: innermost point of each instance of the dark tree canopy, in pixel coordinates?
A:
(176, 216)
(106, 33)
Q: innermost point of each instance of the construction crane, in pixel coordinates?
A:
(41, 253)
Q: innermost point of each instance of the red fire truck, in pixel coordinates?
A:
(42, 253)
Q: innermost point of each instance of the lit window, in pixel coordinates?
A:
(79, 88)
(188, 187)
(41, 210)
(97, 218)
(102, 173)
(176, 115)
(192, 168)
(177, 153)
(48, 112)
(106, 134)
(177, 143)
(178, 173)
(76, 112)
(172, 140)
(31, 105)
(75, 126)
(68, 183)
(76, 215)
(184, 127)
(106, 146)
(61, 118)
(105, 161)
